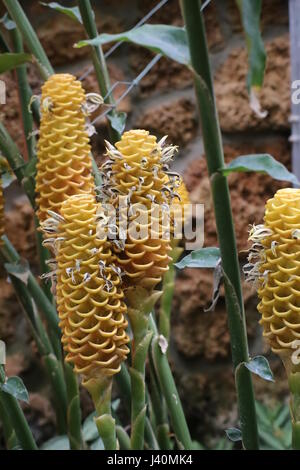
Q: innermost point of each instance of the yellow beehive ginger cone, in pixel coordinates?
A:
(2, 217)
(89, 295)
(274, 262)
(64, 163)
(137, 169)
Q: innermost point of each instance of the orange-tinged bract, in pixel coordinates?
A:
(90, 299)
(276, 246)
(64, 164)
(2, 219)
(136, 172)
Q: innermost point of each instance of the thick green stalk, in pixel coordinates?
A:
(74, 411)
(24, 96)
(215, 161)
(160, 412)
(17, 418)
(100, 391)
(30, 38)
(140, 304)
(294, 385)
(123, 438)
(27, 118)
(98, 61)
(11, 441)
(169, 390)
(124, 386)
(167, 295)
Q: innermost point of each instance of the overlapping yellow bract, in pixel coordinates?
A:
(279, 281)
(90, 299)
(2, 218)
(138, 173)
(64, 165)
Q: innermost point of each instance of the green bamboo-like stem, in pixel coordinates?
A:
(294, 386)
(30, 38)
(160, 412)
(27, 118)
(100, 391)
(11, 441)
(140, 304)
(123, 438)
(169, 390)
(215, 161)
(24, 96)
(98, 61)
(123, 382)
(74, 410)
(167, 295)
(17, 418)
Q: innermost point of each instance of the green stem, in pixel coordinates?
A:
(27, 118)
(160, 411)
(123, 438)
(169, 390)
(124, 386)
(30, 38)
(140, 304)
(98, 61)
(24, 96)
(17, 418)
(74, 411)
(100, 391)
(167, 295)
(294, 386)
(10, 437)
(215, 161)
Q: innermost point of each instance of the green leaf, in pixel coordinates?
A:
(89, 428)
(57, 443)
(10, 60)
(97, 445)
(260, 163)
(15, 387)
(250, 11)
(118, 121)
(259, 365)
(170, 41)
(20, 270)
(234, 434)
(72, 12)
(203, 258)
